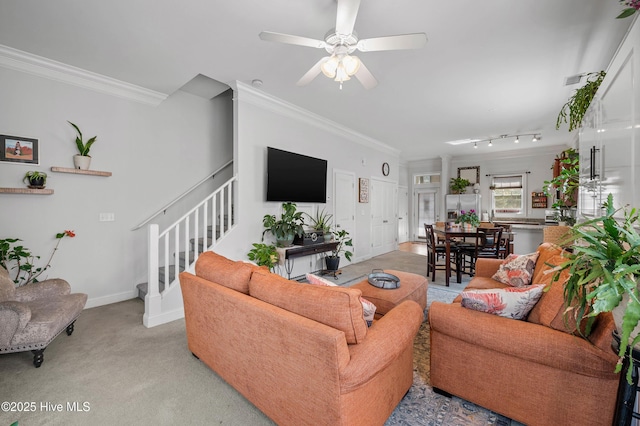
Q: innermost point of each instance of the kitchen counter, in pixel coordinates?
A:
(527, 234)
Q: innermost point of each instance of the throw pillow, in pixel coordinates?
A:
(517, 270)
(509, 302)
(368, 308)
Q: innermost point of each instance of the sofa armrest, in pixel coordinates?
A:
(386, 339)
(522, 339)
(487, 267)
(14, 316)
(42, 290)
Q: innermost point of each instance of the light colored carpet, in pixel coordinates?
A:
(129, 374)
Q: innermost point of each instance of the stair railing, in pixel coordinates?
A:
(176, 248)
(184, 194)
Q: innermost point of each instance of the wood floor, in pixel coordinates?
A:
(414, 247)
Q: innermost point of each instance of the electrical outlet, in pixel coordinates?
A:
(107, 217)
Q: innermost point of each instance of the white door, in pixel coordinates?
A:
(403, 214)
(384, 228)
(344, 206)
(425, 211)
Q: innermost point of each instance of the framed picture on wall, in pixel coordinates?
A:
(17, 149)
(363, 194)
(472, 174)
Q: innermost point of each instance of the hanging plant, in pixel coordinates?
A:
(573, 111)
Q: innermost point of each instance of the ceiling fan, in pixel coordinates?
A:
(341, 42)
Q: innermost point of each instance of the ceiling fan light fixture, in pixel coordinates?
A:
(351, 64)
(341, 73)
(330, 66)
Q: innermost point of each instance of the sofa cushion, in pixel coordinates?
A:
(547, 251)
(517, 270)
(226, 272)
(550, 310)
(336, 307)
(368, 308)
(480, 283)
(509, 302)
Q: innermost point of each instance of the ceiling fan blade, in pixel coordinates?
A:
(397, 42)
(365, 77)
(291, 39)
(312, 73)
(346, 16)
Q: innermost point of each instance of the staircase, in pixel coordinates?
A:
(199, 230)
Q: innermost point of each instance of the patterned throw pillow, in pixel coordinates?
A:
(509, 302)
(517, 270)
(368, 308)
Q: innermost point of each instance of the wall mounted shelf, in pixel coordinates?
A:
(80, 172)
(26, 191)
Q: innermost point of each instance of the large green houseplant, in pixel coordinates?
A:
(604, 270)
(287, 227)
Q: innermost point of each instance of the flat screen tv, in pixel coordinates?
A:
(295, 177)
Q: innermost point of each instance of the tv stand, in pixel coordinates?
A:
(292, 252)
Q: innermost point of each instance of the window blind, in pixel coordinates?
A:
(507, 182)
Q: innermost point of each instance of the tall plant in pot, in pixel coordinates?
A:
(344, 241)
(604, 273)
(83, 159)
(287, 227)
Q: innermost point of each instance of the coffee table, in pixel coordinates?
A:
(412, 287)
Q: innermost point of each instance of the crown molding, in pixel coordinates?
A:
(246, 93)
(43, 67)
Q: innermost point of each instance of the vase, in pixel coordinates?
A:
(81, 162)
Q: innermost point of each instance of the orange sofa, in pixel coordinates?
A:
(535, 371)
(302, 354)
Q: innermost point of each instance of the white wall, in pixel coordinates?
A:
(154, 153)
(264, 121)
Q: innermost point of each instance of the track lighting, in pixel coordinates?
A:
(535, 137)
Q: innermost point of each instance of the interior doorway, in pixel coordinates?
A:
(426, 210)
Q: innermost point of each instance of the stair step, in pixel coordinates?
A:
(143, 289)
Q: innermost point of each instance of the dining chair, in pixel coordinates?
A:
(435, 250)
(487, 245)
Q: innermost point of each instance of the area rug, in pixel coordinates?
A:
(422, 406)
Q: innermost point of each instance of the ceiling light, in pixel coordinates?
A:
(534, 139)
(490, 142)
(330, 66)
(517, 139)
(475, 145)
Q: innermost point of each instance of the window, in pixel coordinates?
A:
(507, 195)
(427, 178)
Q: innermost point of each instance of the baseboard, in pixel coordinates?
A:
(112, 298)
(162, 318)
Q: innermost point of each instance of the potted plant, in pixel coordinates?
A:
(321, 222)
(573, 111)
(344, 241)
(83, 159)
(287, 227)
(459, 185)
(604, 271)
(469, 217)
(264, 255)
(35, 179)
(14, 256)
(566, 180)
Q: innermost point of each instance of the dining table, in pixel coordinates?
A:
(456, 233)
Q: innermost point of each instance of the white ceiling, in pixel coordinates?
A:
(490, 67)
